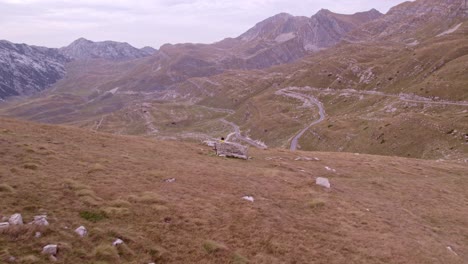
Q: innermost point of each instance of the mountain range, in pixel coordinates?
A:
(357, 127)
(383, 80)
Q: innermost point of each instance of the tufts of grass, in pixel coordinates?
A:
(105, 252)
(23, 232)
(85, 192)
(74, 185)
(158, 254)
(125, 251)
(96, 168)
(116, 211)
(93, 216)
(119, 203)
(316, 203)
(154, 174)
(211, 247)
(239, 259)
(30, 259)
(146, 198)
(6, 188)
(31, 166)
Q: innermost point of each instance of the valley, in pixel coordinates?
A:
(347, 138)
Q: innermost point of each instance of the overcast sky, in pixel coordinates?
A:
(55, 23)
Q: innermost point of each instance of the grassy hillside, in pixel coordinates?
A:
(379, 209)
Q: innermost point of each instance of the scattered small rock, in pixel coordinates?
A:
(324, 182)
(248, 198)
(16, 219)
(306, 159)
(50, 250)
(11, 259)
(449, 248)
(81, 231)
(40, 220)
(171, 180)
(38, 235)
(4, 225)
(117, 242)
(330, 169)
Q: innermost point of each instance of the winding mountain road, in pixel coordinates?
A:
(309, 102)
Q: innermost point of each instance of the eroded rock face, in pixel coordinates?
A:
(232, 150)
(25, 70)
(403, 20)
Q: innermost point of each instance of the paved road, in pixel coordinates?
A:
(309, 101)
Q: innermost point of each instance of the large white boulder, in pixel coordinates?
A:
(16, 219)
(324, 182)
(81, 231)
(40, 220)
(50, 250)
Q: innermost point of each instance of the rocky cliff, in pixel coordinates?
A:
(25, 70)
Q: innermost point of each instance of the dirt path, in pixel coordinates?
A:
(149, 119)
(237, 134)
(402, 96)
(309, 102)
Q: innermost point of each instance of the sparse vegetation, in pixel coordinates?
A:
(316, 203)
(31, 166)
(211, 246)
(106, 252)
(239, 259)
(6, 188)
(93, 216)
(167, 223)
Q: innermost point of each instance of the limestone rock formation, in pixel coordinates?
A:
(232, 150)
(26, 70)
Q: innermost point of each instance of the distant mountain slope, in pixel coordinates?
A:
(25, 70)
(279, 39)
(412, 20)
(82, 49)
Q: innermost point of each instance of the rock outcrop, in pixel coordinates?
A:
(232, 150)
(26, 70)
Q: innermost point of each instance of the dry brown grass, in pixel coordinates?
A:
(379, 209)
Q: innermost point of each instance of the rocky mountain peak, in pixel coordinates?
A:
(82, 49)
(403, 21)
(25, 70)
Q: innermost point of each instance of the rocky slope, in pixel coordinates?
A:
(25, 70)
(411, 22)
(83, 49)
